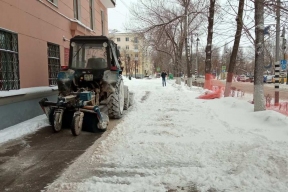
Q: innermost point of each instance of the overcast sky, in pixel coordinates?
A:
(119, 15)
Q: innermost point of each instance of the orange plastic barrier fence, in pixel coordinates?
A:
(211, 94)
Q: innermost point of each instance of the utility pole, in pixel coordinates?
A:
(135, 62)
(277, 62)
(196, 67)
(191, 53)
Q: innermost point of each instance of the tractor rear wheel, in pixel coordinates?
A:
(126, 98)
(131, 99)
(116, 102)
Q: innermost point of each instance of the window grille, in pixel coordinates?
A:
(53, 62)
(9, 62)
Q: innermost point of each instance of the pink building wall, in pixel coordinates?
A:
(38, 22)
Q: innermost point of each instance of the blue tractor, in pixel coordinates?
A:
(91, 88)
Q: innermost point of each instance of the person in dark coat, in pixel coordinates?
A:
(163, 75)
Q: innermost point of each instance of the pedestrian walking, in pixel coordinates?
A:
(163, 75)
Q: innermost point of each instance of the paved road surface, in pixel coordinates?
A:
(30, 163)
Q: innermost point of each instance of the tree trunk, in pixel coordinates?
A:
(187, 47)
(232, 62)
(259, 102)
(208, 74)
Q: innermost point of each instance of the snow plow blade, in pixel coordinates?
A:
(92, 119)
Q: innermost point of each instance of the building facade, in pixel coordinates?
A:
(34, 37)
(134, 54)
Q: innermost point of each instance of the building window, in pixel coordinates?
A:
(136, 47)
(53, 62)
(119, 47)
(118, 39)
(135, 39)
(91, 7)
(136, 54)
(9, 62)
(76, 5)
(127, 47)
(54, 2)
(102, 22)
(127, 38)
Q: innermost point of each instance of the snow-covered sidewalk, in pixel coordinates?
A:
(170, 141)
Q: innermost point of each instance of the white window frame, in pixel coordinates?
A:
(92, 14)
(77, 10)
(53, 2)
(102, 22)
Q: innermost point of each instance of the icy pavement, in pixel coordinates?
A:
(170, 141)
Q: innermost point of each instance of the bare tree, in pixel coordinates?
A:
(164, 23)
(232, 63)
(208, 50)
(259, 103)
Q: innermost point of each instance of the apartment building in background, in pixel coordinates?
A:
(134, 54)
(34, 37)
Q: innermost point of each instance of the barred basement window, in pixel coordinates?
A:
(53, 62)
(9, 62)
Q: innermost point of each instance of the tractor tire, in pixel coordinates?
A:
(57, 124)
(103, 127)
(116, 102)
(54, 120)
(77, 123)
(131, 98)
(126, 98)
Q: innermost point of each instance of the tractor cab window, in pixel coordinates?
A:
(89, 56)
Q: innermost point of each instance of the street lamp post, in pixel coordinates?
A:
(196, 67)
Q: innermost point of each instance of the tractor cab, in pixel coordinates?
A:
(93, 55)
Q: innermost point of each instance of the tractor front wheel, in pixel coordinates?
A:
(77, 123)
(57, 125)
(103, 124)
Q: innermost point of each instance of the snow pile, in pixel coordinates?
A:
(171, 141)
(24, 128)
(25, 91)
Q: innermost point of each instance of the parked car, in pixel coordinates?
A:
(238, 78)
(264, 78)
(244, 78)
(251, 79)
(269, 79)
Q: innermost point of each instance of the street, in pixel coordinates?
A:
(31, 163)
